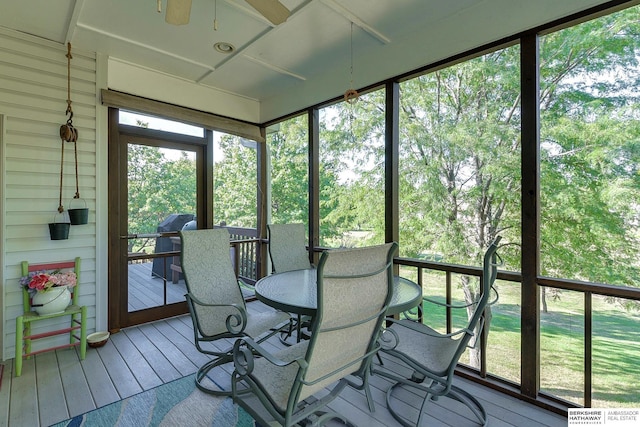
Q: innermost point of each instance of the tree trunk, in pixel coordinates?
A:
(475, 348)
(543, 297)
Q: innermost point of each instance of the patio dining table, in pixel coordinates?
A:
(295, 292)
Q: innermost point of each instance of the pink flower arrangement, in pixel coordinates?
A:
(40, 281)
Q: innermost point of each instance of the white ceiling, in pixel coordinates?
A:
(299, 63)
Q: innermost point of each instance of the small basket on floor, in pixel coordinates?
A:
(97, 339)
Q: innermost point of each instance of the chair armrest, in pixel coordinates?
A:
(204, 304)
(389, 338)
(413, 313)
(235, 323)
(246, 349)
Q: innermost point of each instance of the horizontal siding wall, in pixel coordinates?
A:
(33, 94)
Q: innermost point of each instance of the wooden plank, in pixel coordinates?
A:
(161, 366)
(120, 374)
(508, 409)
(23, 409)
(5, 392)
(54, 407)
(186, 346)
(77, 390)
(353, 405)
(186, 332)
(150, 293)
(140, 368)
(172, 351)
(100, 385)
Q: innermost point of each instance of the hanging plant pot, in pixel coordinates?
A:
(59, 230)
(78, 216)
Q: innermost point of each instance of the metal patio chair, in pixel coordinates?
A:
(288, 252)
(287, 248)
(433, 356)
(216, 303)
(354, 288)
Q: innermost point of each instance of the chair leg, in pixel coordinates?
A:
(454, 393)
(83, 332)
(298, 328)
(285, 335)
(205, 369)
(470, 402)
(367, 392)
(27, 341)
(17, 363)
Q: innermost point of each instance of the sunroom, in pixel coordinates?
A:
(436, 126)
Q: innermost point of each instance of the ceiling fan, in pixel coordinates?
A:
(178, 11)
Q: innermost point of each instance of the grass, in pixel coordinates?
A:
(615, 349)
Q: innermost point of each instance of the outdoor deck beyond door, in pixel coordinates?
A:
(147, 290)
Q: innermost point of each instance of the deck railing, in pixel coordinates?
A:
(246, 244)
(589, 290)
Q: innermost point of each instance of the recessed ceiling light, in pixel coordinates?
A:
(224, 47)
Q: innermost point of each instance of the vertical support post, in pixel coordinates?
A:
(314, 182)
(391, 162)
(530, 256)
(205, 213)
(391, 159)
(261, 202)
(117, 247)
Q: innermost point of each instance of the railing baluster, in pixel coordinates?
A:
(448, 300)
(421, 306)
(588, 349)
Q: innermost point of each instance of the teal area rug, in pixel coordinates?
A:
(177, 403)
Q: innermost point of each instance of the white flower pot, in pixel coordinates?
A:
(52, 301)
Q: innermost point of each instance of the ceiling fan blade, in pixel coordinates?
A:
(273, 10)
(178, 12)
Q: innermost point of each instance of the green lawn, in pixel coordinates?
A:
(616, 343)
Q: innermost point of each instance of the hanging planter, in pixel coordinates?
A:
(78, 216)
(59, 230)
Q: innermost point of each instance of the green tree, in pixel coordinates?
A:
(352, 149)
(158, 187)
(591, 145)
(289, 157)
(460, 156)
(235, 183)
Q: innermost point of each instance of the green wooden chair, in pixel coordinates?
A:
(432, 356)
(354, 288)
(24, 322)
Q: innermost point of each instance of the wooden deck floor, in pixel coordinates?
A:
(148, 290)
(55, 386)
